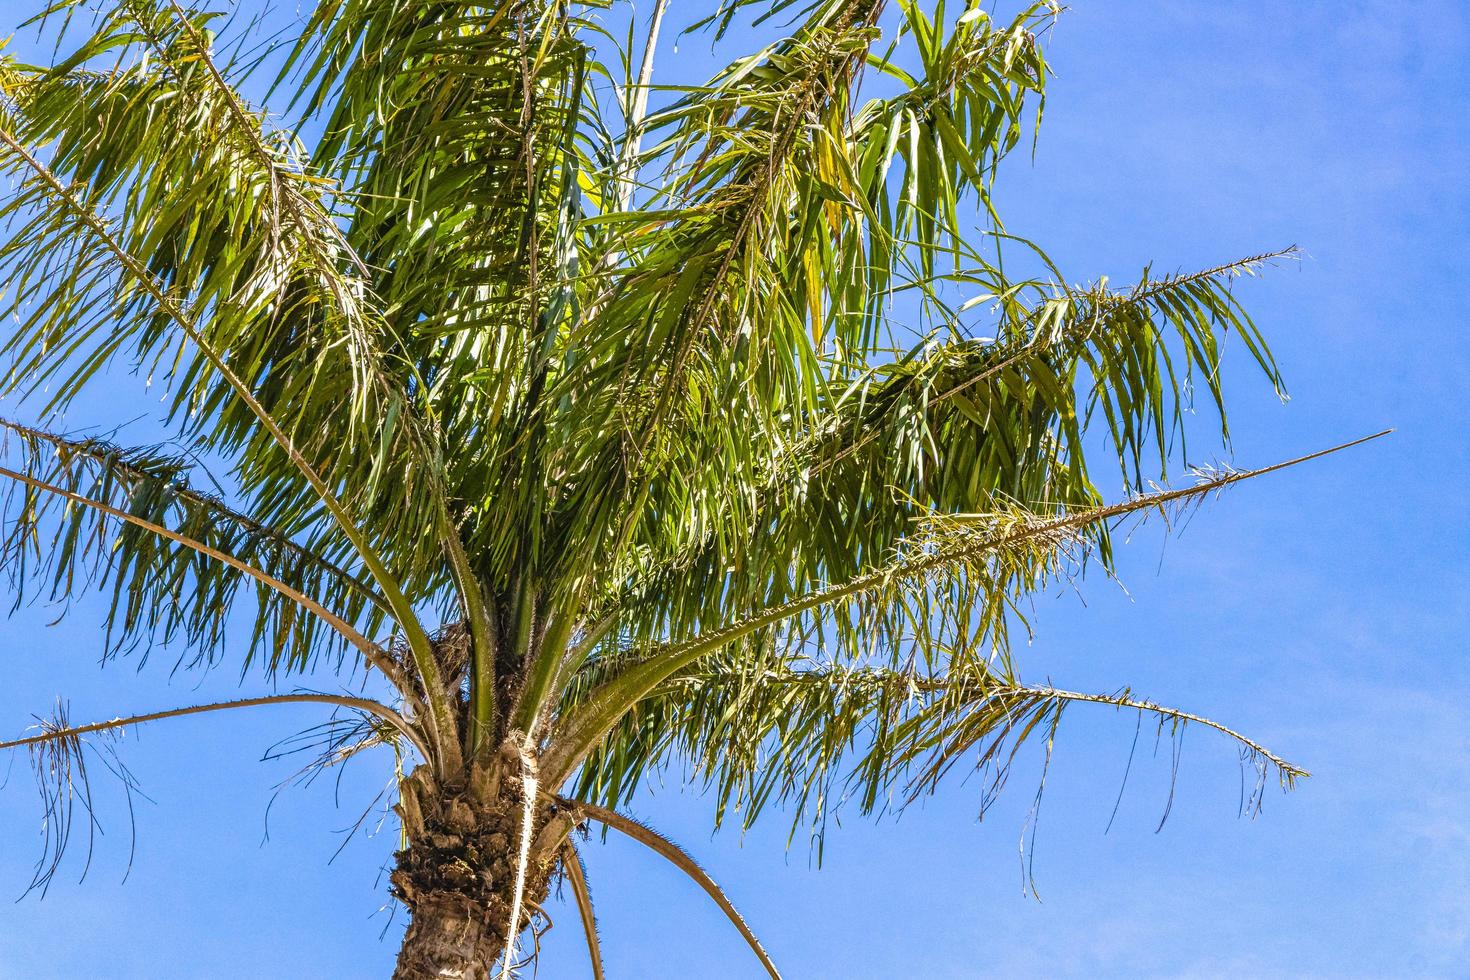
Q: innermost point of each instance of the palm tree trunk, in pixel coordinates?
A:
(458, 872)
(444, 940)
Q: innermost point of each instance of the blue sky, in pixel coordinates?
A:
(1321, 611)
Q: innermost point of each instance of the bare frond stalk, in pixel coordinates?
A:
(1288, 771)
(530, 793)
(576, 872)
(681, 859)
(637, 103)
(609, 702)
(440, 718)
(366, 705)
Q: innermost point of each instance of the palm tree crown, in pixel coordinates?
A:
(609, 423)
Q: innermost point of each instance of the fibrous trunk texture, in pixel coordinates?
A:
(457, 874)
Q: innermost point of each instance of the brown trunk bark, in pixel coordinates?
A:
(447, 940)
(457, 874)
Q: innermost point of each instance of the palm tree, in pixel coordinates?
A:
(604, 431)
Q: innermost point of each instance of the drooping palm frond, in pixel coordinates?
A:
(453, 131)
(223, 311)
(808, 738)
(84, 513)
(252, 264)
(940, 602)
(60, 749)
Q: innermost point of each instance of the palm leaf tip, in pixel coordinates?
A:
(58, 758)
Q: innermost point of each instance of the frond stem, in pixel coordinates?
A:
(903, 682)
(571, 861)
(681, 859)
(367, 705)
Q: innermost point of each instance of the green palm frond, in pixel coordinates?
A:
(161, 591)
(808, 738)
(962, 426)
(453, 132)
(942, 601)
(697, 315)
(253, 245)
(239, 293)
